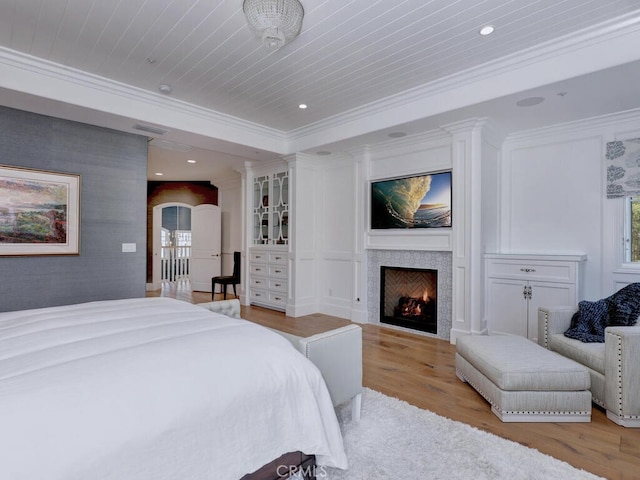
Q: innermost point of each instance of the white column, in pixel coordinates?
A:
(466, 228)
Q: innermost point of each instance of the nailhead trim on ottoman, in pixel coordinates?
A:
(523, 381)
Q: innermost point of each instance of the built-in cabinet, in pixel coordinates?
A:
(516, 285)
(268, 253)
(268, 277)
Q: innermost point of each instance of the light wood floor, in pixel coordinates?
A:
(420, 370)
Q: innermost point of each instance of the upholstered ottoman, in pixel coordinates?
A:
(523, 381)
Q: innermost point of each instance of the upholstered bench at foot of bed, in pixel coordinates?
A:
(523, 381)
(337, 353)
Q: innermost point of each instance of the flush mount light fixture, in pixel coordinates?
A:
(159, 174)
(302, 106)
(487, 30)
(165, 88)
(191, 161)
(277, 22)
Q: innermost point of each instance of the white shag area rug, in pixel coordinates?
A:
(398, 441)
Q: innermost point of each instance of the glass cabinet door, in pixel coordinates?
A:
(261, 210)
(271, 209)
(280, 209)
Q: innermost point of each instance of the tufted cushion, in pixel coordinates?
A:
(515, 363)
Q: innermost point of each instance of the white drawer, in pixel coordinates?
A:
(534, 270)
(259, 295)
(277, 285)
(278, 298)
(258, 269)
(259, 282)
(278, 258)
(258, 257)
(279, 271)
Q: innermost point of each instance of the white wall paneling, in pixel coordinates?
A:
(553, 197)
(467, 213)
(338, 236)
(305, 211)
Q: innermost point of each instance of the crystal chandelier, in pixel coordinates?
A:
(276, 21)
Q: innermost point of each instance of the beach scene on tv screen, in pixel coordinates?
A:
(422, 201)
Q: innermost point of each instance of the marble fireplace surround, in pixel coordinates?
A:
(437, 260)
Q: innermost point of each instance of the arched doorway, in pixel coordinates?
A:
(186, 244)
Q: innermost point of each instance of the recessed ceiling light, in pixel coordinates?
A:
(150, 60)
(530, 101)
(191, 161)
(487, 30)
(159, 174)
(323, 153)
(302, 106)
(165, 88)
(397, 134)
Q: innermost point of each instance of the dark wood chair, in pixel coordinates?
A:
(225, 280)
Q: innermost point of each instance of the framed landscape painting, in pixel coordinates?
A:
(39, 212)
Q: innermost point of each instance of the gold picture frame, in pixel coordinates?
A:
(39, 212)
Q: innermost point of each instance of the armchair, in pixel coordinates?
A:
(614, 366)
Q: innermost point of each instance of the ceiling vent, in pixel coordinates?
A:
(150, 129)
(176, 147)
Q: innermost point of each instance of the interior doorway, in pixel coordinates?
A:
(186, 244)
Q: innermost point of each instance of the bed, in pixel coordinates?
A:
(154, 388)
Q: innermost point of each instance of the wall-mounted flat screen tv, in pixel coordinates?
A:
(421, 201)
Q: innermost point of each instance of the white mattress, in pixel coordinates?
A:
(154, 388)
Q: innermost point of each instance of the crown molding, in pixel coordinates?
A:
(605, 45)
(530, 68)
(35, 76)
(598, 124)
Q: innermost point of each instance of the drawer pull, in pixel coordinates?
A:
(258, 282)
(278, 258)
(258, 256)
(258, 294)
(258, 269)
(278, 271)
(277, 298)
(278, 285)
(527, 270)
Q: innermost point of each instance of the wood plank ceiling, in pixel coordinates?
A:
(350, 52)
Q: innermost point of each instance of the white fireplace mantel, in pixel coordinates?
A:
(461, 149)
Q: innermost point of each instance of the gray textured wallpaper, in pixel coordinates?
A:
(113, 169)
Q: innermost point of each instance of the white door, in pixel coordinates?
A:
(206, 241)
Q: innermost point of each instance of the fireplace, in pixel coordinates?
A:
(408, 298)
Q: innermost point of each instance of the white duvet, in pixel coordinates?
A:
(153, 389)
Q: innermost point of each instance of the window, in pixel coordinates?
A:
(632, 230)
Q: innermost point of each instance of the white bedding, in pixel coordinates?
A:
(154, 389)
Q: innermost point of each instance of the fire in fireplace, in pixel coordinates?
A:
(408, 298)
